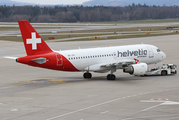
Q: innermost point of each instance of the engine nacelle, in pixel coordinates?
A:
(136, 69)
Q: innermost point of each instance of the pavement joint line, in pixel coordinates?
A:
(103, 103)
(14, 110)
(150, 116)
(151, 107)
(164, 102)
(104, 112)
(84, 109)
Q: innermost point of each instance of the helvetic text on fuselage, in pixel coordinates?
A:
(138, 53)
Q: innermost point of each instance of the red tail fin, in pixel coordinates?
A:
(33, 43)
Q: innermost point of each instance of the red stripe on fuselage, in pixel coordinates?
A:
(68, 66)
(51, 62)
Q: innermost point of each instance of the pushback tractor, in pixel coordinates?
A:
(165, 69)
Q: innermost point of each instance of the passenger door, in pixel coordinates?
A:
(59, 59)
(151, 53)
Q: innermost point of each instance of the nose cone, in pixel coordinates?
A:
(163, 55)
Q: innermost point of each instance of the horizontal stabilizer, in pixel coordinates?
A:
(8, 57)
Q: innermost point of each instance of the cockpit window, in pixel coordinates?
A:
(158, 50)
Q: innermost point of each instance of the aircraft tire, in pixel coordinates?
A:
(111, 77)
(87, 75)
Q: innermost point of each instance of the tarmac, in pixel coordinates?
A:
(28, 93)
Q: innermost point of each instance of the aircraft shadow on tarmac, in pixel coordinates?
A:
(48, 82)
(39, 83)
(80, 79)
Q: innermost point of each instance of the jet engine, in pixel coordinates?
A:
(136, 69)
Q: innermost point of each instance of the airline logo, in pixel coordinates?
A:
(136, 61)
(34, 40)
(139, 53)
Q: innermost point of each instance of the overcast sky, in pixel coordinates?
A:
(53, 2)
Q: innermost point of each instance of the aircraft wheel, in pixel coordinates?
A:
(108, 77)
(111, 77)
(87, 75)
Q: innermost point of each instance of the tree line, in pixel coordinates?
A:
(86, 14)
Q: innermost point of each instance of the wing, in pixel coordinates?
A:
(118, 63)
(107, 66)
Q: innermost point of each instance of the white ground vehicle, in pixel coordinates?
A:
(166, 69)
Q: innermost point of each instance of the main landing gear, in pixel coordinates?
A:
(111, 77)
(87, 75)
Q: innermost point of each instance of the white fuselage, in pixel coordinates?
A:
(84, 59)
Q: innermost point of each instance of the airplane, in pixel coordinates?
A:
(132, 59)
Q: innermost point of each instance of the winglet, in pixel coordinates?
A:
(33, 43)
